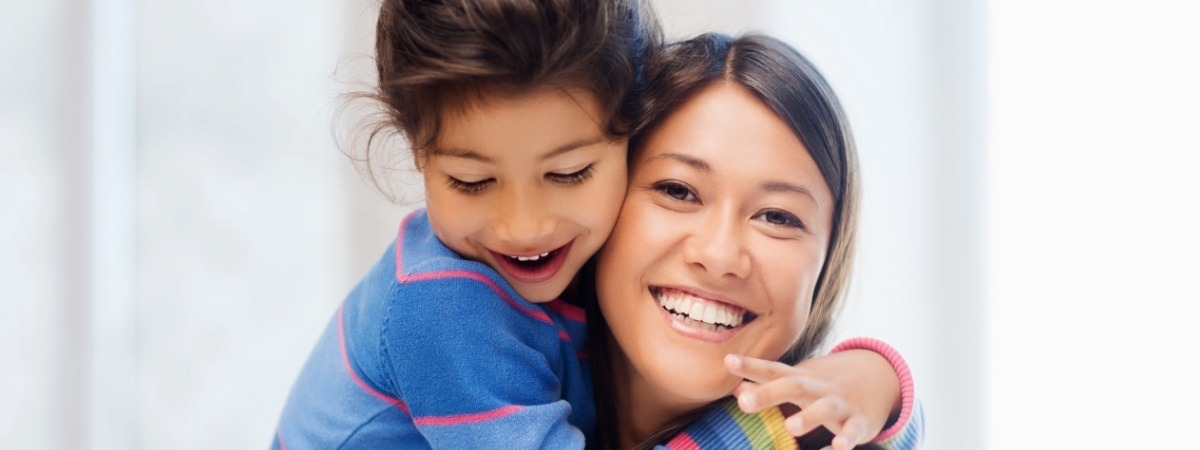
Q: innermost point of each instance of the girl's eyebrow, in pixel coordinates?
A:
(566, 148)
(471, 154)
(459, 153)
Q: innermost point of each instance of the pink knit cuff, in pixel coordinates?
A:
(906, 382)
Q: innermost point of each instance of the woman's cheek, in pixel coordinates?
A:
(651, 222)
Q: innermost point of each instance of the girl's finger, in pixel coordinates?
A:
(793, 389)
(853, 432)
(831, 412)
(743, 387)
(756, 370)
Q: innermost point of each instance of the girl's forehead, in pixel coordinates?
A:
(529, 126)
(465, 100)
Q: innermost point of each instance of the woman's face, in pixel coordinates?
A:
(718, 247)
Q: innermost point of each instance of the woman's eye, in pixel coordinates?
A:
(782, 218)
(472, 187)
(677, 191)
(572, 178)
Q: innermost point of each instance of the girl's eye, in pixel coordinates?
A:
(572, 178)
(676, 190)
(473, 187)
(781, 218)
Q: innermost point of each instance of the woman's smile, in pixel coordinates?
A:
(699, 316)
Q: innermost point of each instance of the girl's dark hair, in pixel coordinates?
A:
(791, 86)
(432, 55)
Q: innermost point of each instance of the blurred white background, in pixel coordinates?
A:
(177, 223)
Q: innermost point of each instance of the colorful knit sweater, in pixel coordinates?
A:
(725, 426)
(434, 351)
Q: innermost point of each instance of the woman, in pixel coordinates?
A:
(735, 238)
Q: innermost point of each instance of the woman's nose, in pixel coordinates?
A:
(717, 247)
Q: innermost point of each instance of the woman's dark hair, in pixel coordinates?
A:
(795, 91)
(436, 55)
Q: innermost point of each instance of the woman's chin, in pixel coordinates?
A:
(694, 379)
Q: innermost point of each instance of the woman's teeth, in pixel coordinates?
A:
(696, 311)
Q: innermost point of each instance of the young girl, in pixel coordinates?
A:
(736, 237)
(455, 339)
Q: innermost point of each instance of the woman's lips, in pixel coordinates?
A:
(533, 269)
(698, 317)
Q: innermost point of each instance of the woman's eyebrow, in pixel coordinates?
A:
(783, 186)
(696, 163)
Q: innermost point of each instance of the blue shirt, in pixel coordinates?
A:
(431, 350)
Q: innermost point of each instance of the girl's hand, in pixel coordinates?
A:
(852, 393)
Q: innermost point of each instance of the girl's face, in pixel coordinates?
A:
(718, 249)
(527, 184)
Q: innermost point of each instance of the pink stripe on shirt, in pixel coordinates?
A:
(459, 419)
(571, 312)
(401, 277)
(534, 313)
(683, 442)
(354, 374)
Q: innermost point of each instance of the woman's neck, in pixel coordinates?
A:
(641, 408)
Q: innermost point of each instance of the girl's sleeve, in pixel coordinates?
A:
(476, 371)
(725, 426)
(907, 432)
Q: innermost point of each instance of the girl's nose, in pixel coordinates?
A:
(525, 219)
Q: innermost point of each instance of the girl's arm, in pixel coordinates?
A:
(862, 387)
(475, 371)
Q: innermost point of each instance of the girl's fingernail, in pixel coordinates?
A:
(747, 400)
(794, 424)
(732, 359)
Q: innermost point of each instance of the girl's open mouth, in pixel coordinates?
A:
(534, 268)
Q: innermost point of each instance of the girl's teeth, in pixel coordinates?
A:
(530, 258)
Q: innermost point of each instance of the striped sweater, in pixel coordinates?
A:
(434, 351)
(725, 426)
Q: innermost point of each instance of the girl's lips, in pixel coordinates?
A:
(544, 270)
